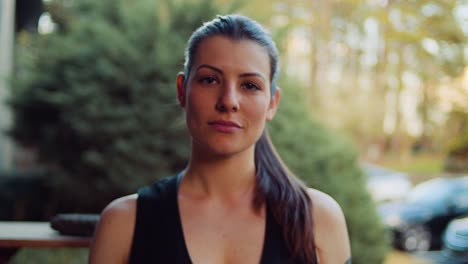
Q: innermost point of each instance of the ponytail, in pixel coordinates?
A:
(287, 199)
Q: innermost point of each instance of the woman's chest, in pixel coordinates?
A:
(223, 236)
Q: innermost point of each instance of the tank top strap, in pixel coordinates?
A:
(157, 237)
(274, 249)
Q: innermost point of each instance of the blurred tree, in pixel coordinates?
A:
(97, 97)
(430, 43)
(375, 55)
(457, 156)
(456, 134)
(421, 43)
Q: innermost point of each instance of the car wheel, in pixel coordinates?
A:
(416, 238)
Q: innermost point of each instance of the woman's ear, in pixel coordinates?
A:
(273, 104)
(181, 91)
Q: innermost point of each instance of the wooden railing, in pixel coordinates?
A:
(16, 235)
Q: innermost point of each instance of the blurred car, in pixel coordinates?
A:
(386, 185)
(417, 223)
(456, 241)
(455, 245)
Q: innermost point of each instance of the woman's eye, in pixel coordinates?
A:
(251, 86)
(207, 80)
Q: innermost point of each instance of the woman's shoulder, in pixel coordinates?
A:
(326, 212)
(114, 231)
(119, 215)
(323, 205)
(122, 209)
(331, 234)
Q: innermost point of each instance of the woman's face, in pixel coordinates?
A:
(227, 99)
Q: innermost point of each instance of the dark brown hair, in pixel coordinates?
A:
(285, 195)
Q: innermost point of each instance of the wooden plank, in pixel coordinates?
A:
(36, 234)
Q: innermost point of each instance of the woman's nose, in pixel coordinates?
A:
(228, 100)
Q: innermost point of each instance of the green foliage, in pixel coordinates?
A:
(420, 166)
(50, 256)
(457, 158)
(459, 146)
(97, 98)
(327, 162)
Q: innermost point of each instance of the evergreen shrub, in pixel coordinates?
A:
(97, 97)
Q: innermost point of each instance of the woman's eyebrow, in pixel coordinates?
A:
(209, 67)
(247, 74)
(250, 74)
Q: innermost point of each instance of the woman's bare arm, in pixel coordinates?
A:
(331, 234)
(114, 232)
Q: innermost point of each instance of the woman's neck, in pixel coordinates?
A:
(227, 177)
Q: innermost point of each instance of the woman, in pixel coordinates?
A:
(235, 202)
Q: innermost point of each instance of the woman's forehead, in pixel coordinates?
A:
(237, 55)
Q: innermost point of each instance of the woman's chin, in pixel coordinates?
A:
(223, 149)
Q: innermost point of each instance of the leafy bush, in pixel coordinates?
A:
(327, 162)
(96, 96)
(459, 146)
(457, 157)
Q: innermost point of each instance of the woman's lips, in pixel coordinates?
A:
(225, 126)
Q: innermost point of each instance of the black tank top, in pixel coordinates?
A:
(158, 237)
